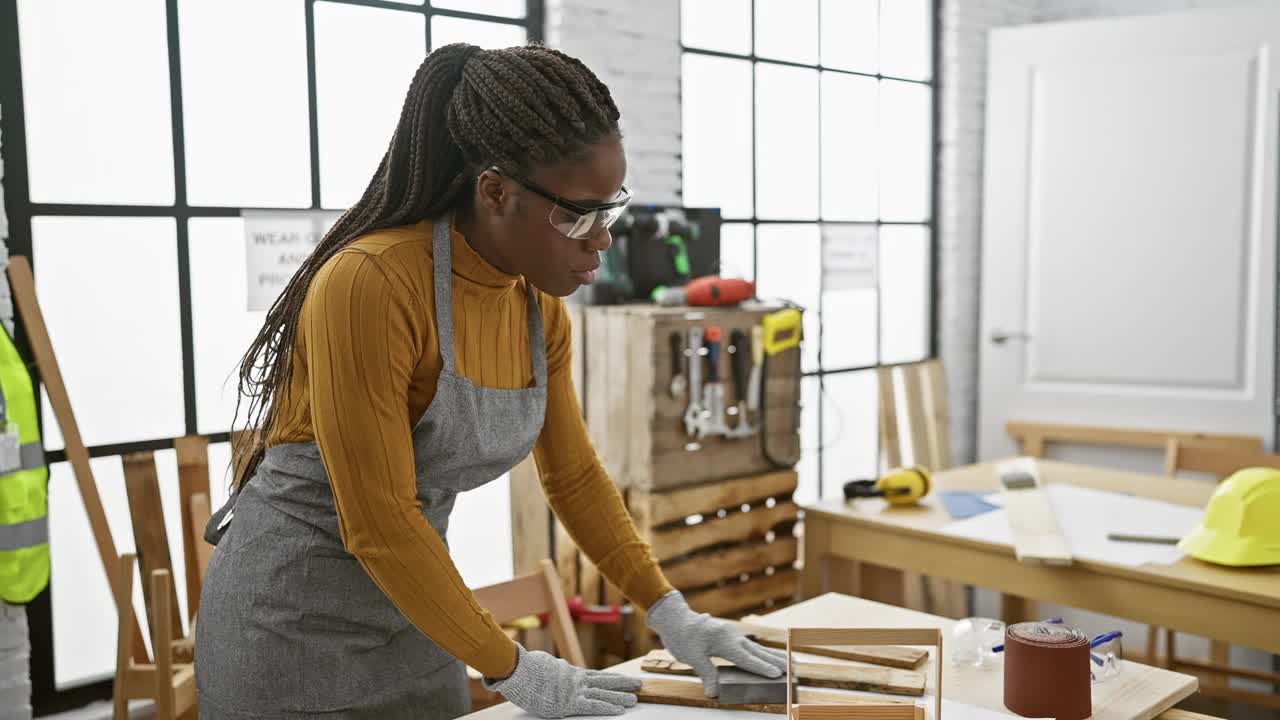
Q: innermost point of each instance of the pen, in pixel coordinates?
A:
(1154, 539)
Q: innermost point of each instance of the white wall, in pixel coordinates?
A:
(634, 48)
(963, 85)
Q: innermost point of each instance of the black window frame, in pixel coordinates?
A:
(46, 698)
(931, 223)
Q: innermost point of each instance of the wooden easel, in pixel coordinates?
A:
(22, 284)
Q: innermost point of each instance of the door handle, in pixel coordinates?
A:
(1000, 337)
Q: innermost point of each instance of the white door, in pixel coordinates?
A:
(1129, 250)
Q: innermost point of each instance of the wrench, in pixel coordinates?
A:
(693, 418)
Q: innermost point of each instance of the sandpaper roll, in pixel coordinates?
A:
(1046, 671)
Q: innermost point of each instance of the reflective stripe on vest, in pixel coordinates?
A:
(24, 534)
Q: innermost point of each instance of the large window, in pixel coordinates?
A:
(811, 124)
(137, 133)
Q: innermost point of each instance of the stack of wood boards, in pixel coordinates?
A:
(728, 546)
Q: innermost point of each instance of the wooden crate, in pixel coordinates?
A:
(637, 426)
(727, 545)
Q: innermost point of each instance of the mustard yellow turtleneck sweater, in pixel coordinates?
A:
(365, 368)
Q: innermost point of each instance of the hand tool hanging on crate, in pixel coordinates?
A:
(713, 392)
(693, 414)
(677, 365)
(781, 331)
(738, 366)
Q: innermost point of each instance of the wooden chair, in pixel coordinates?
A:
(533, 594)
(169, 678)
(1182, 455)
(927, 442)
(1034, 438)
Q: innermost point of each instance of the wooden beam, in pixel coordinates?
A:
(149, 536)
(193, 479)
(23, 287)
(907, 658)
(872, 678)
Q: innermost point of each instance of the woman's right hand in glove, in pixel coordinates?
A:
(549, 687)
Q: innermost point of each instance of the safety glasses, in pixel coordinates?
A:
(570, 218)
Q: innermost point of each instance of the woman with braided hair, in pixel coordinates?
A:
(422, 350)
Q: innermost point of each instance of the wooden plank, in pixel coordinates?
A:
(163, 616)
(890, 445)
(806, 636)
(678, 504)
(872, 678)
(149, 537)
(621, 423)
(641, 394)
(736, 526)
(1125, 437)
(193, 479)
(23, 287)
(530, 519)
(684, 693)
(855, 712)
(122, 585)
(913, 396)
(907, 658)
(200, 512)
(717, 460)
(702, 569)
(1036, 536)
(1218, 461)
(742, 596)
(937, 429)
(597, 376)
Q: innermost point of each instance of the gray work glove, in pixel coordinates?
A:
(694, 638)
(546, 686)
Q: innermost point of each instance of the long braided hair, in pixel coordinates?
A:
(466, 109)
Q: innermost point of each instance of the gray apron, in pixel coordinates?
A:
(290, 624)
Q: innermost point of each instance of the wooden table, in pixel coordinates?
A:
(1236, 605)
(1139, 688)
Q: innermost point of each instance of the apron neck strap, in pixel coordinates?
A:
(442, 260)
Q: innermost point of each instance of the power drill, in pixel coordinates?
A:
(903, 486)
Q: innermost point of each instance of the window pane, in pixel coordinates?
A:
(789, 264)
(849, 313)
(716, 113)
(850, 410)
(723, 25)
(480, 534)
(849, 167)
(445, 30)
(810, 453)
(95, 79)
(786, 142)
(84, 616)
(906, 150)
(906, 39)
(737, 250)
(787, 30)
(248, 140)
(222, 327)
(109, 291)
(365, 59)
(503, 8)
(850, 34)
(904, 291)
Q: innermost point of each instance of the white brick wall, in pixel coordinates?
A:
(963, 88)
(634, 47)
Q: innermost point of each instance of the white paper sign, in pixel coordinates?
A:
(850, 254)
(276, 244)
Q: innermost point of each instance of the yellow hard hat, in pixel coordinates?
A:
(1241, 525)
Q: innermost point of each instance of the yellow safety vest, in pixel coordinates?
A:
(24, 480)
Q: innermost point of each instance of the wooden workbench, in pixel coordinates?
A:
(1139, 689)
(1236, 605)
